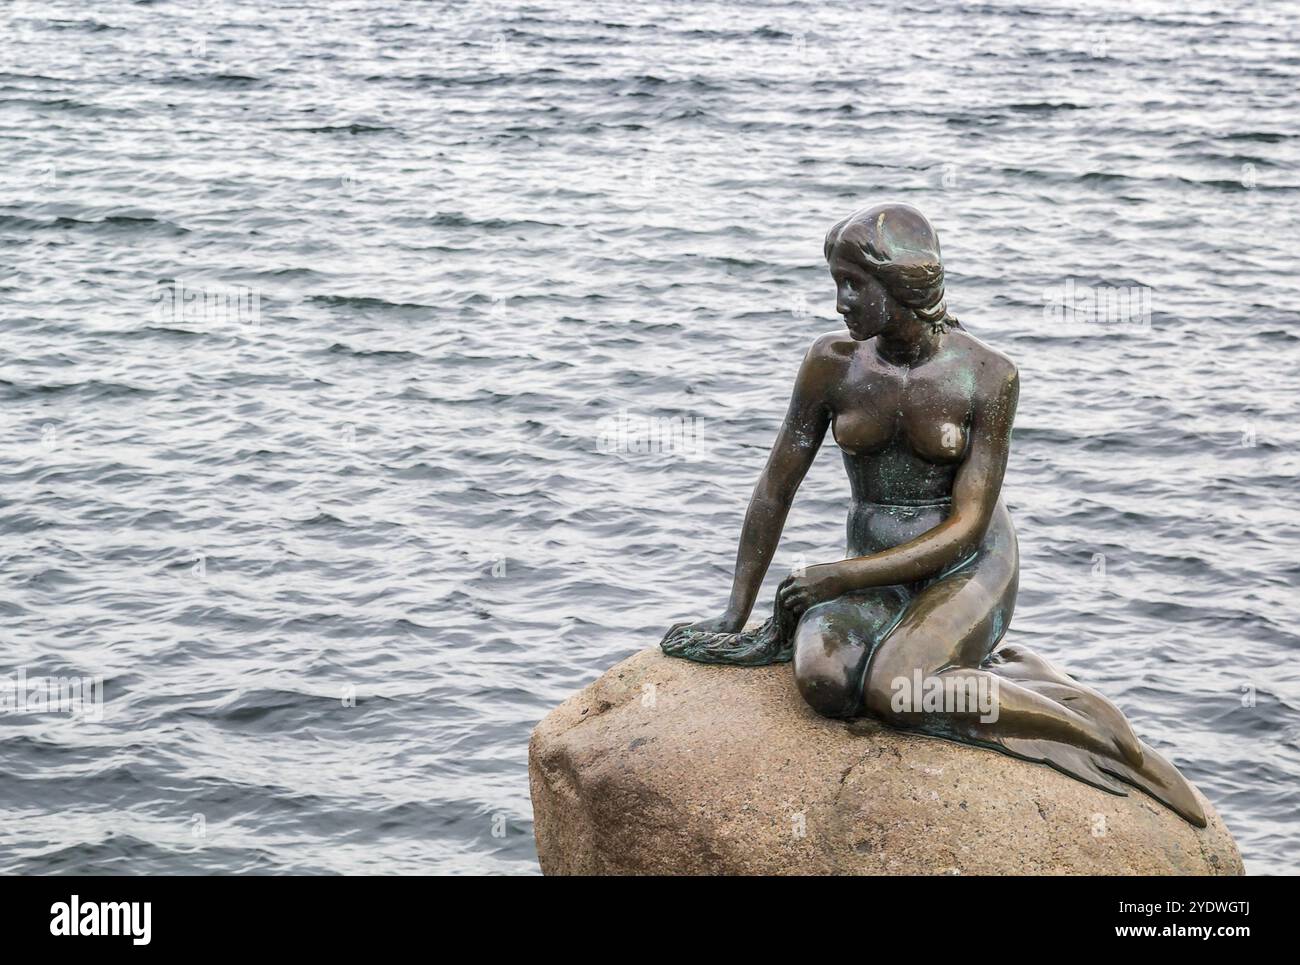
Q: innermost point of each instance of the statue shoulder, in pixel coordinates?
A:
(994, 367)
(824, 364)
(833, 347)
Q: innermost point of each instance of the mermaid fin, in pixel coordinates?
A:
(1156, 776)
(1034, 673)
(1134, 763)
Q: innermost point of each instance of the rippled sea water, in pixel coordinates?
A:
(337, 535)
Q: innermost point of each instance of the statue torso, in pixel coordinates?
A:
(903, 432)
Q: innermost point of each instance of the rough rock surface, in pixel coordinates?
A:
(663, 766)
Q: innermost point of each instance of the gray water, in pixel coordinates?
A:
(338, 535)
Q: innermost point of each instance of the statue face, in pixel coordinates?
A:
(867, 308)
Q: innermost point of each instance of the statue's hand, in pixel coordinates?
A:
(725, 640)
(816, 584)
(723, 624)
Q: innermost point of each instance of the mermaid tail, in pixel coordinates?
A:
(1130, 761)
(1134, 762)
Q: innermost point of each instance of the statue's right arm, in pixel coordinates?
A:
(797, 442)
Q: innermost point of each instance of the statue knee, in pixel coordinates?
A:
(829, 677)
(831, 647)
(828, 693)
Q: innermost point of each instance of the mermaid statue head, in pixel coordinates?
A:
(886, 264)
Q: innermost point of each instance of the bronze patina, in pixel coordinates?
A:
(922, 412)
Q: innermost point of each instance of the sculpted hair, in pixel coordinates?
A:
(896, 244)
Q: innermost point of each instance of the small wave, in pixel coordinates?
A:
(112, 223)
(453, 219)
(338, 348)
(214, 80)
(90, 26)
(343, 129)
(363, 302)
(90, 389)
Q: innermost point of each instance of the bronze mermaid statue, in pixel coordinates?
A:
(922, 413)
